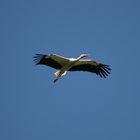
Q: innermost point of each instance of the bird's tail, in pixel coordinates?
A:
(58, 73)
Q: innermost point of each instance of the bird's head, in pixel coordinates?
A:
(84, 55)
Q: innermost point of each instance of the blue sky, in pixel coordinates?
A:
(81, 105)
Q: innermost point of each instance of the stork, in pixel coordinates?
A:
(63, 64)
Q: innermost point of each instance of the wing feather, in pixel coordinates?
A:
(92, 66)
(47, 60)
(59, 59)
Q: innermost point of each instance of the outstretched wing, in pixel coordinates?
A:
(91, 66)
(47, 60)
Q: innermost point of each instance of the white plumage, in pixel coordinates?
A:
(63, 64)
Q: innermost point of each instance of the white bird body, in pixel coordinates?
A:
(64, 64)
(67, 64)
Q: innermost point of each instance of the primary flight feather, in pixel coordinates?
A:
(63, 64)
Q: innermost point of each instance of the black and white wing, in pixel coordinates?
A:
(91, 66)
(52, 60)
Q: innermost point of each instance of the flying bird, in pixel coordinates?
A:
(63, 64)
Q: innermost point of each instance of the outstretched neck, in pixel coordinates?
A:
(80, 57)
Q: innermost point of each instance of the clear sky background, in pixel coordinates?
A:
(80, 106)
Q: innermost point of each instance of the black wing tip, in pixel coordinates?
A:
(38, 58)
(104, 70)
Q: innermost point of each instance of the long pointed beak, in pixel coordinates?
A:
(88, 54)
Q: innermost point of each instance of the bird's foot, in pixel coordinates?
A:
(55, 80)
